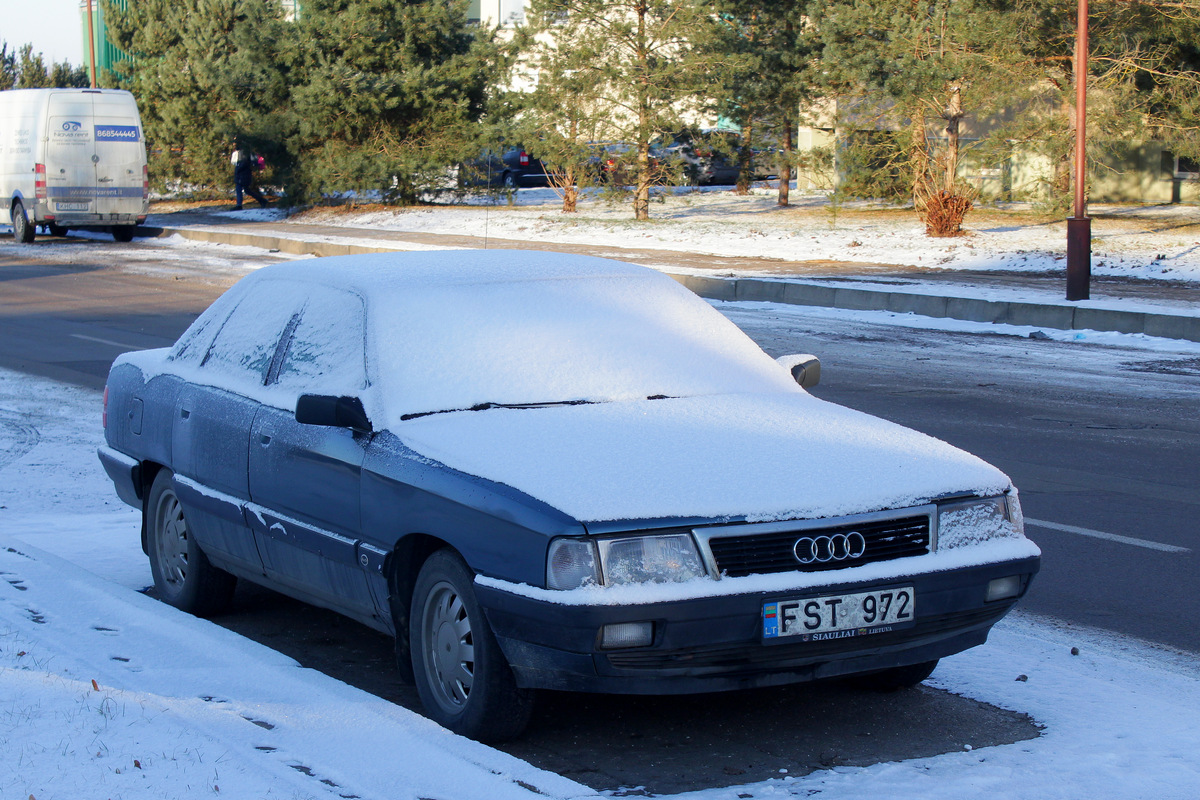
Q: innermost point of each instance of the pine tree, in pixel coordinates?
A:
(767, 75)
(387, 94)
(1143, 79)
(205, 72)
(901, 64)
(638, 67)
(8, 67)
(25, 69)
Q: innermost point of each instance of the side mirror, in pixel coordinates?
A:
(332, 412)
(805, 368)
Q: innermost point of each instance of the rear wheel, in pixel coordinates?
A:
(122, 233)
(22, 230)
(896, 678)
(183, 576)
(462, 677)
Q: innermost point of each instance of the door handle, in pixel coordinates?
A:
(264, 439)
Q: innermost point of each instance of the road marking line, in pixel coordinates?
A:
(1112, 537)
(107, 341)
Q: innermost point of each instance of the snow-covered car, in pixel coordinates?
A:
(548, 471)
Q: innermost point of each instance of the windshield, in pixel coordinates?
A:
(561, 340)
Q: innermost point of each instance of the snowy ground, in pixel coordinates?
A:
(1160, 242)
(180, 707)
(105, 693)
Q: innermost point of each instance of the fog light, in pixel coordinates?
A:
(1004, 588)
(626, 634)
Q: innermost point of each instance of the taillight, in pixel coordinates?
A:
(145, 182)
(104, 414)
(39, 181)
(524, 159)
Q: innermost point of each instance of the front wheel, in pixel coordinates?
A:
(22, 230)
(462, 677)
(183, 576)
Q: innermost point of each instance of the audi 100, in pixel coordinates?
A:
(551, 472)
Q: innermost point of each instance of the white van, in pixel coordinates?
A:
(72, 159)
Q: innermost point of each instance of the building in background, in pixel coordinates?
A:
(107, 55)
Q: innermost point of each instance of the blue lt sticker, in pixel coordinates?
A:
(770, 620)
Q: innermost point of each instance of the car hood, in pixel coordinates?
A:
(760, 457)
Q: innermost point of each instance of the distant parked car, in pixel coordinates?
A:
(707, 157)
(547, 471)
(616, 162)
(515, 168)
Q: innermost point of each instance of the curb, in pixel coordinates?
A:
(1037, 315)
(801, 293)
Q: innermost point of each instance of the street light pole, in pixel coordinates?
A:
(1079, 227)
(91, 43)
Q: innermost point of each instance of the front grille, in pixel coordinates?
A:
(886, 539)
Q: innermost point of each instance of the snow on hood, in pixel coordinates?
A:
(762, 456)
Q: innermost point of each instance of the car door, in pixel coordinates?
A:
(210, 432)
(305, 479)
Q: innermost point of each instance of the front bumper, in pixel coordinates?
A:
(715, 643)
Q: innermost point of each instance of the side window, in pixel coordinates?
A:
(245, 346)
(325, 353)
(194, 342)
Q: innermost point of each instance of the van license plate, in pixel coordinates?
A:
(840, 616)
(71, 206)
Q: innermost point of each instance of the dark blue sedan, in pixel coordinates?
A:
(546, 471)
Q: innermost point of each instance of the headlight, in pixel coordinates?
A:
(970, 522)
(670, 558)
(571, 563)
(650, 559)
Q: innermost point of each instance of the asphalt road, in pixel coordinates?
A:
(1101, 440)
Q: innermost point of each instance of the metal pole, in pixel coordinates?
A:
(1079, 227)
(91, 43)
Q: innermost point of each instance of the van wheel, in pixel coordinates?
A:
(462, 677)
(22, 230)
(122, 233)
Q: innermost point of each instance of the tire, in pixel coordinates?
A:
(22, 230)
(462, 677)
(122, 233)
(183, 576)
(510, 182)
(896, 678)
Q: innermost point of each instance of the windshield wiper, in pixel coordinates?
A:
(546, 404)
(486, 406)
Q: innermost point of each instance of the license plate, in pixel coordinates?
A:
(71, 206)
(840, 616)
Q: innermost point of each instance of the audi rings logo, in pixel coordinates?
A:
(823, 549)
